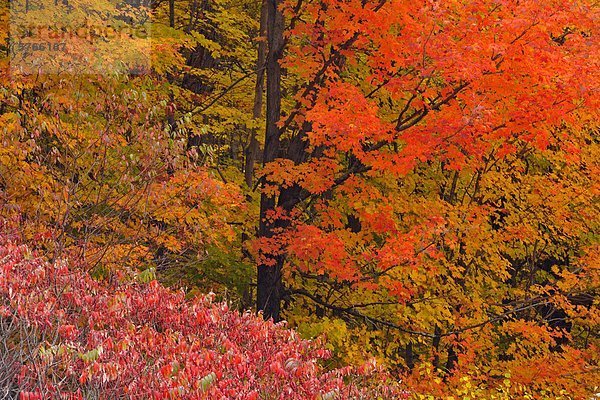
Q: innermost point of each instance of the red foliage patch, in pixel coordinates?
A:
(67, 333)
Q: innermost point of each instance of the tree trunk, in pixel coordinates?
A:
(436, 347)
(252, 149)
(269, 285)
(172, 13)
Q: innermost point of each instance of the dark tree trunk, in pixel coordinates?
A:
(269, 285)
(172, 13)
(436, 346)
(252, 149)
(452, 360)
(409, 356)
(200, 57)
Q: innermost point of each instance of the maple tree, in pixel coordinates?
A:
(408, 183)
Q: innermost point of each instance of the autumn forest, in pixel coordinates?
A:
(299, 199)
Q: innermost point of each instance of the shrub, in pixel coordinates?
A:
(64, 332)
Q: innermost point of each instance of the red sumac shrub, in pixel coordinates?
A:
(65, 332)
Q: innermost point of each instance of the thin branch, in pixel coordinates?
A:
(199, 109)
(354, 313)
